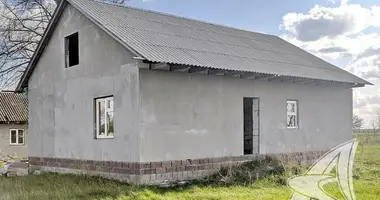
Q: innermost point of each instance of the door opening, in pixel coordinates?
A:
(251, 126)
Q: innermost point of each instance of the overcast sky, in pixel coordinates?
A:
(345, 33)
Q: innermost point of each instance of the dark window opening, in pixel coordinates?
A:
(21, 136)
(72, 50)
(13, 136)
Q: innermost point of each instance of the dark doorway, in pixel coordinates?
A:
(251, 126)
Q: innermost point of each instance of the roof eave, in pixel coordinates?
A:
(368, 83)
(14, 122)
(261, 76)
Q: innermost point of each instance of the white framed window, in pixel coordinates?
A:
(292, 114)
(16, 137)
(104, 117)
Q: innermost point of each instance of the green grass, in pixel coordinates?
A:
(54, 186)
(366, 174)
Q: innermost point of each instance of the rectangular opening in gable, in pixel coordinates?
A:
(72, 50)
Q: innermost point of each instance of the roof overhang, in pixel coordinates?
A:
(245, 75)
(13, 122)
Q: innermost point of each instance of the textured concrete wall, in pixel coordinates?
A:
(19, 151)
(61, 100)
(195, 116)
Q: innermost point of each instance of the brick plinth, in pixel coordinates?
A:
(153, 172)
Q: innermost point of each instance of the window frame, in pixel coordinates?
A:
(17, 137)
(67, 49)
(295, 113)
(97, 119)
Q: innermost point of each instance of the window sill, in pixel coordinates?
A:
(292, 127)
(16, 144)
(68, 67)
(104, 137)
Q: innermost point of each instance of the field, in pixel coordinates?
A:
(54, 186)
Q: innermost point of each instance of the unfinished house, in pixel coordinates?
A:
(13, 125)
(144, 96)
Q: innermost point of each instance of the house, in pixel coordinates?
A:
(13, 125)
(143, 96)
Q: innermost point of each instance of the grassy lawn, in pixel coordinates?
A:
(54, 186)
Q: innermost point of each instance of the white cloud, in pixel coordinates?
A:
(341, 34)
(320, 22)
(376, 15)
(366, 64)
(372, 51)
(372, 74)
(366, 106)
(367, 99)
(353, 45)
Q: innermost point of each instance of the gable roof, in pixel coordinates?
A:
(164, 38)
(13, 107)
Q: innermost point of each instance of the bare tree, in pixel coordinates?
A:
(22, 24)
(357, 122)
(374, 125)
(377, 120)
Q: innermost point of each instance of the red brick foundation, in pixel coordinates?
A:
(165, 167)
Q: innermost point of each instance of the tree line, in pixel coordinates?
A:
(358, 123)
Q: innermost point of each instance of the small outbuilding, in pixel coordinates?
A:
(13, 126)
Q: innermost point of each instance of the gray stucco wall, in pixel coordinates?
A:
(195, 116)
(18, 151)
(61, 100)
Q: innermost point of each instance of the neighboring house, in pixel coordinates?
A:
(13, 125)
(144, 96)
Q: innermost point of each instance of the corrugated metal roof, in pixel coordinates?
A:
(166, 38)
(13, 107)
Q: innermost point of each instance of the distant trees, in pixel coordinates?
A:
(374, 125)
(375, 122)
(357, 122)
